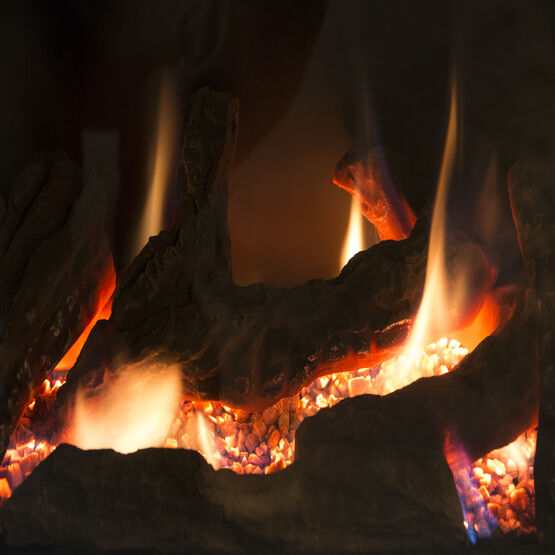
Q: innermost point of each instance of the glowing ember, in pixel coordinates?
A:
(263, 442)
(498, 488)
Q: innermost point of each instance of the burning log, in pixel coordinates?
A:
(55, 267)
(533, 205)
(341, 497)
(488, 400)
(365, 176)
(251, 346)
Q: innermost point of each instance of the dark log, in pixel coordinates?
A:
(486, 402)
(370, 177)
(55, 258)
(344, 496)
(369, 473)
(251, 346)
(532, 193)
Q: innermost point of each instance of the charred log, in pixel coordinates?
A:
(369, 473)
(531, 189)
(487, 401)
(251, 346)
(54, 259)
(370, 180)
(344, 496)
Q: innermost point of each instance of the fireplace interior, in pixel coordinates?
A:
(277, 277)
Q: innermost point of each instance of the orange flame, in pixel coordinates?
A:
(353, 241)
(134, 411)
(432, 318)
(163, 162)
(439, 308)
(103, 311)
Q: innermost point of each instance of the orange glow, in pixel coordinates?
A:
(102, 312)
(353, 241)
(133, 411)
(142, 405)
(152, 220)
(484, 324)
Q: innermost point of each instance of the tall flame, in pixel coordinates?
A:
(152, 220)
(353, 241)
(432, 320)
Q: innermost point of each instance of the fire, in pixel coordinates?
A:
(135, 410)
(152, 220)
(498, 489)
(102, 312)
(353, 241)
(143, 407)
(436, 309)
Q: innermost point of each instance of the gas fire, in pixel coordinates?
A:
(138, 409)
(353, 241)
(496, 490)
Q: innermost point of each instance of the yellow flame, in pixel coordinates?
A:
(164, 151)
(353, 241)
(135, 410)
(432, 320)
(199, 435)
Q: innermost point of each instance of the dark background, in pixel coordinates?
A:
(313, 79)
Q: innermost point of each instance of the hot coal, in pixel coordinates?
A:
(355, 491)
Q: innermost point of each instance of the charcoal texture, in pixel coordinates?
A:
(251, 346)
(54, 255)
(486, 402)
(355, 490)
(532, 192)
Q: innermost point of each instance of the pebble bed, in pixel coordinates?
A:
(496, 492)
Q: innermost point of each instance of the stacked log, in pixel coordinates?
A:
(54, 261)
(249, 347)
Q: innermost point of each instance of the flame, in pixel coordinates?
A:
(432, 319)
(152, 220)
(103, 311)
(199, 435)
(134, 411)
(353, 241)
(138, 408)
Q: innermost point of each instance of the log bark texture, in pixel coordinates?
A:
(251, 346)
(370, 179)
(486, 402)
(54, 258)
(369, 473)
(532, 193)
(341, 497)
